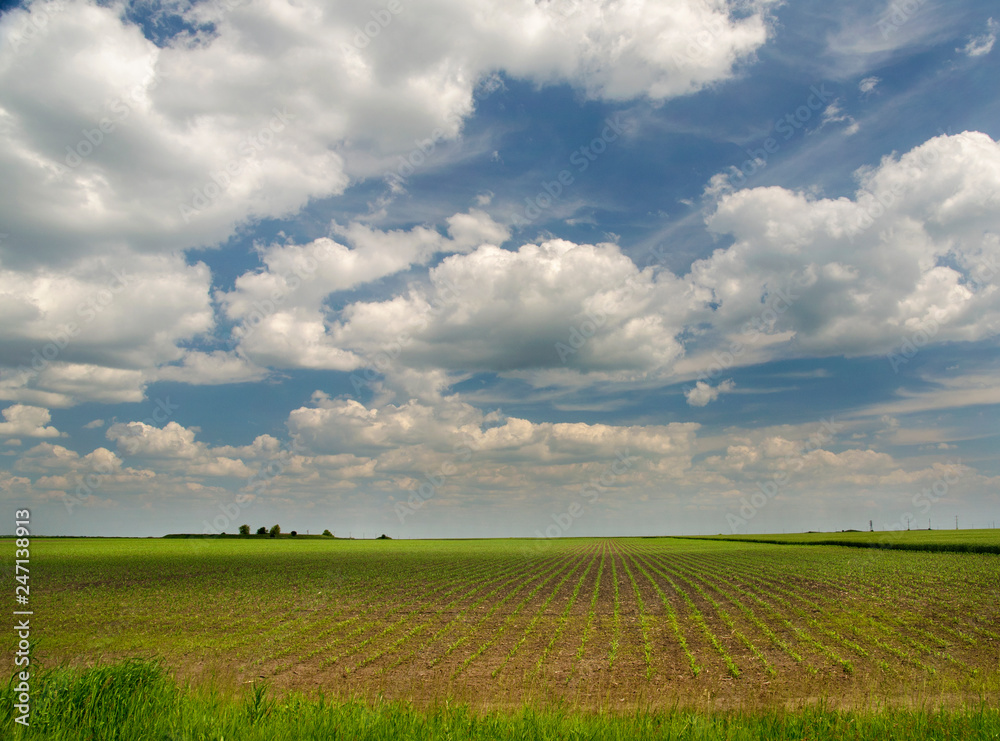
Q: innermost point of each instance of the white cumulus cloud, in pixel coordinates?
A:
(702, 393)
(27, 421)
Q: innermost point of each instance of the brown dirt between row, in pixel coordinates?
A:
(590, 683)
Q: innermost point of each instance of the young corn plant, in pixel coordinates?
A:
(591, 616)
(644, 620)
(746, 611)
(617, 625)
(563, 619)
(727, 620)
(534, 621)
(499, 632)
(674, 625)
(522, 581)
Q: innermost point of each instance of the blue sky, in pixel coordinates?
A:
(499, 269)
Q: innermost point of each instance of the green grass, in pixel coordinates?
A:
(138, 700)
(955, 541)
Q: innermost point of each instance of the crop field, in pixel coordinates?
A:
(586, 623)
(958, 541)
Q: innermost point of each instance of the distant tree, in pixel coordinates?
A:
(383, 536)
(275, 531)
(294, 533)
(244, 529)
(262, 530)
(327, 533)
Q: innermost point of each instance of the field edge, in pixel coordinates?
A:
(139, 699)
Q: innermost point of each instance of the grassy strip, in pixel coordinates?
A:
(137, 700)
(887, 542)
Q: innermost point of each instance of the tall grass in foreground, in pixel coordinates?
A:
(138, 701)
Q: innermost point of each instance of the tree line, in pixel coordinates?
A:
(274, 531)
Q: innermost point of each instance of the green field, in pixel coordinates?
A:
(578, 630)
(957, 541)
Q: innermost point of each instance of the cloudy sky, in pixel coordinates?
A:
(499, 267)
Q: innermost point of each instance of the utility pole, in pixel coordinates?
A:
(956, 522)
(871, 527)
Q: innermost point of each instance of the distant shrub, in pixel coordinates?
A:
(262, 530)
(327, 533)
(293, 533)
